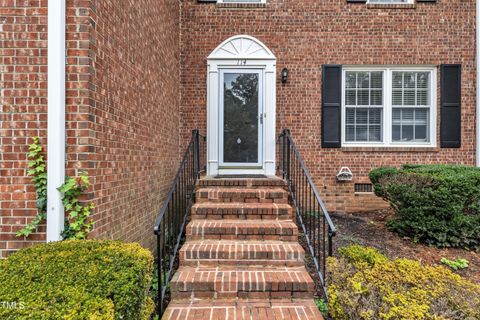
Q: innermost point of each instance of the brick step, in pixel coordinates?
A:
(242, 182)
(249, 195)
(242, 230)
(257, 211)
(241, 253)
(297, 309)
(243, 283)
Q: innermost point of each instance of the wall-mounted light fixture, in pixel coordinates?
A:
(284, 75)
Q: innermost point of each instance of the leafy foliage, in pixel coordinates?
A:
(434, 204)
(364, 284)
(322, 305)
(455, 264)
(37, 169)
(101, 280)
(78, 224)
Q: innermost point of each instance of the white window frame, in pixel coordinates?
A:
(388, 108)
(390, 2)
(243, 1)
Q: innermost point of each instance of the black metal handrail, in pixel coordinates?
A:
(312, 215)
(170, 223)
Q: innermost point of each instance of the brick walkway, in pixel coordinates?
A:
(242, 259)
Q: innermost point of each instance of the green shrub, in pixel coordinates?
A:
(370, 286)
(87, 279)
(434, 204)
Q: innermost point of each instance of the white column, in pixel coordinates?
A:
(56, 118)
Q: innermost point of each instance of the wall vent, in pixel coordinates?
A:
(363, 188)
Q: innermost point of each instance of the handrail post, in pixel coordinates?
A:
(284, 154)
(330, 242)
(196, 153)
(287, 143)
(159, 275)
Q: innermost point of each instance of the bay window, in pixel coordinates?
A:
(388, 106)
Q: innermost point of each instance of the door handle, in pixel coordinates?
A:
(261, 117)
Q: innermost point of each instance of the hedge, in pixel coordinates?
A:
(434, 204)
(364, 284)
(95, 280)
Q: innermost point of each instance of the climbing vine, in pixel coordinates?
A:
(37, 170)
(78, 223)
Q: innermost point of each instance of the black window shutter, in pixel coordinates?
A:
(450, 115)
(331, 106)
(357, 1)
(426, 0)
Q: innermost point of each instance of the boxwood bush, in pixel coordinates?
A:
(434, 204)
(364, 284)
(93, 280)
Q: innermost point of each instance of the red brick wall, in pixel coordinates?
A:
(129, 140)
(122, 110)
(304, 35)
(23, 106)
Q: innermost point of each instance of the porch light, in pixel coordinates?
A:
(284, 75)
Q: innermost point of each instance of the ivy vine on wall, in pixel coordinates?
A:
(78, 222)
(37, 169)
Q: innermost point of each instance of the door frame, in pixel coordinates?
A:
(261, 101)
(243, 53)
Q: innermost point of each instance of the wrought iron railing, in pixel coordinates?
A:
(170, 223)
(312, 215)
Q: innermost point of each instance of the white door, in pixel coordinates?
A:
(241, 97)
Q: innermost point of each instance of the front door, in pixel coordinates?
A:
(241, 119)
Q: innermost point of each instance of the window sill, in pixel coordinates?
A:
(241, 5)
(391, 6)
(389, 149)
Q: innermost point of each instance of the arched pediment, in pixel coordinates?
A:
(242, 47)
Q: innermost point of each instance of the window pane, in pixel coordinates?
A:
(409, 80)
(364, 125)
(411, 88)
(376, 80)
(350, 136)
(397, 80)
(422, 98)
(363, 90)
(396, 133)
(376, 98)
(397, 99)
(410, 124)
(350, 116)
(407, 133)
(421, 133)
(363, 80)
(361, 133)
(350, 99)
(362, 98)
(361, 116)
(423, 80)
(409, 98)
(351, 79)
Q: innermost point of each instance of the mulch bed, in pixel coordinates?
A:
(369, 229)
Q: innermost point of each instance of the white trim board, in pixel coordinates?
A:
(56, 118)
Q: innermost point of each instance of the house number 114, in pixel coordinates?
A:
(241, 62)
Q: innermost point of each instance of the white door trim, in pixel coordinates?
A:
(241, 52)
